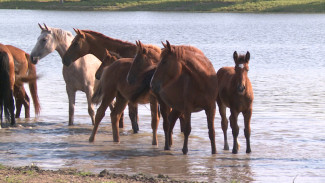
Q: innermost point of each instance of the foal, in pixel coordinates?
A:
(235, 92)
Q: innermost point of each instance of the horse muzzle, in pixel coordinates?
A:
(66, 62)
(34, 60)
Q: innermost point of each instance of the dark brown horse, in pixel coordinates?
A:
(24, 68)
(146, 62)
(186, 81)
(235, 92)
(91, 42)
(113, 84)
(7, 81)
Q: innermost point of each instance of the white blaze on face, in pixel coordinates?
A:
(241, 66)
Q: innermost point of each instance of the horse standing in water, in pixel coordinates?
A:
(143, 63)
(78, 76)
(90, 42)
(24, 68)
(107, 61)
(235, 92)
(7, 81)
(113, 84)
(186, 81)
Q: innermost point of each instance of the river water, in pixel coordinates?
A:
(286, 70)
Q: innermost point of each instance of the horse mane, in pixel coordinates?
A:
(97, 34)
(114, 54)
(61, 35)
(154, 52)
(193, 58)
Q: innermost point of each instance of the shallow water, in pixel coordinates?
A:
(286, 70)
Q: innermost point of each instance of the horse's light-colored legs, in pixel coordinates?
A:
(247, 119)
(210, 119)
(91, 112)
(187, 131)
(133, 114)
(72, 97)
(169, 126)
(154, 119)
(235, 130)
(120, 105)
(224, 123)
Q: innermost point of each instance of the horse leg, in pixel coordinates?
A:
(91, 111)
(100, 115)
(121, 122)
(72, 98)
(120, 105)
(12, 108)
(169, 126)
(26, 103)
(210, 118)
(133, 114)
(224, 123)
(182, 123)
(19, 102)
(235, 130)
(187, 131)
(154, 119)
(247, 119)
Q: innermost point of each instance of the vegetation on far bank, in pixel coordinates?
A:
(256, 6)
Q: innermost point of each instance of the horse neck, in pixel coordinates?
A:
(99, 44)
(63, 45)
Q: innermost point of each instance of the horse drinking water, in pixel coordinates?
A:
(235, 92)
(78, 76)
(186, 81)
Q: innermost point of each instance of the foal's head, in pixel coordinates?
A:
(79, 47)
(241, 69)
(108, 60)
(146, 58)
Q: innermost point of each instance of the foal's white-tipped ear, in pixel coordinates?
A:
(247, 57)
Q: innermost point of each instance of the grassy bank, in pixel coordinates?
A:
(258, 6)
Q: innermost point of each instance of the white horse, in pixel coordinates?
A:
(79, 76)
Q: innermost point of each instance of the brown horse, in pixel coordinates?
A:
(7, 81)
(235, 92)
(107, 61)
(186, 81)
(145, 61)
(113, 84)
(24, 68)
(91, 42)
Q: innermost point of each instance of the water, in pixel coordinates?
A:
(286, 70)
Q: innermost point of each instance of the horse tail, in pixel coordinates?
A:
(6, 96)
(33, 85)
(98, 94)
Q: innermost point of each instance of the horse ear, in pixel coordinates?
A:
(165, 46)
(247, 57)
(75, 30)
(235, 56)
(168, 46)
(81, 33)
(40, 26)
(46, 28)
(144, 50)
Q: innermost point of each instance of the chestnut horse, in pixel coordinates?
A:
(80, 76)
(186, 81)
(113, 84)
(143, 62)
(235, 92)
(24, 67)
(7, 81)
(107, 61)
(91, 42)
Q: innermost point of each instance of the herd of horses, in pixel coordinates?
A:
(176, 80)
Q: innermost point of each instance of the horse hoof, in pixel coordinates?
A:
(248, 151)
(185, 151)
(234, 151)
(91, 139)
(167, 148)
(226, 148)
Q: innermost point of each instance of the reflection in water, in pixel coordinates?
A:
(286, 71)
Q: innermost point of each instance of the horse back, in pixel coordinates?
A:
(20, 60)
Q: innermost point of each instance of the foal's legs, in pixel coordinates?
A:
(210, 118)
(154, 119)
(120, 105)
(91, 112)
(72, 97)
(168, 128)
(224, 123)
(247, 119)
(187, 131)
(235, 130)
(133, 114)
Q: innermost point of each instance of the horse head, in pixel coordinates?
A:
(167, 70)
(146, 58)
(241, 69)
(45, 44)
(108, 60)
(78, 48)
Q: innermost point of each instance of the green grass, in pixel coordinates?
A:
(260, 6)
